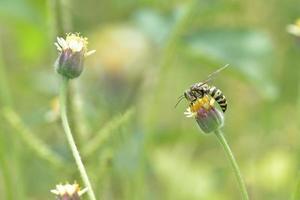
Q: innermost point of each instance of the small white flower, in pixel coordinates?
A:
(73, 51)
(68, 189)
(74, 42)
(188, 113)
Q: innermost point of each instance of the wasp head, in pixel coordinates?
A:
(190, 95)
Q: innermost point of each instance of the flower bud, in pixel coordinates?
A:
(68, 192)
(207, 116)
(73, 51)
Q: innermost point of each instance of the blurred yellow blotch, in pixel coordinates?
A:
(294, 29)
(274, 171)
(120, 49)
(53, 114)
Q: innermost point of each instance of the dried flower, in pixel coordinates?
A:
(294, 29)
(207, 116)
(68, 192)
(72, 50)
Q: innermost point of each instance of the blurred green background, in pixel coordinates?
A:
(134, 143)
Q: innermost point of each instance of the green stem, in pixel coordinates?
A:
(77, 118)
(66, 18)
(4, 100)
(5, 168)
(52, 18)
(233, 163)
(75, 152)
(78, 114)
(296, 193)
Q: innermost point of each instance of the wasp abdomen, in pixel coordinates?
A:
(219, 97)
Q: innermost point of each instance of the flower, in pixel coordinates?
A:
(207, 116)
(294, 29)
(72, 50)
(68, 191)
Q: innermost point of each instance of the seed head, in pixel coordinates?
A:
(207, 116)
(68, 192)
(73, 51)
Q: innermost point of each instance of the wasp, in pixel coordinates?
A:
(198, 90)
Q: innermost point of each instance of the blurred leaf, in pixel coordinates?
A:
(26, 20)
(249, 52)
(32, 46)
(20, 10)
(32, 141)
(153, 24)
(183, 179)
(106, 131)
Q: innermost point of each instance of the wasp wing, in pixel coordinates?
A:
(212, 75)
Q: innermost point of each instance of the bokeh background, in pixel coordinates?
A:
(134, 143)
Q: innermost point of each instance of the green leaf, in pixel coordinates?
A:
(153, 24)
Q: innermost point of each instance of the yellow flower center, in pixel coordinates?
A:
(76, 42)
(206, 102)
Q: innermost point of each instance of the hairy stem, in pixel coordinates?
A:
(75, 152)
(233, 163)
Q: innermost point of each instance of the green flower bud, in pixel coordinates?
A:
(68, 192)
(207, 116)
(73, 51)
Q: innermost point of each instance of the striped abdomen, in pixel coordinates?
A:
(219, 97)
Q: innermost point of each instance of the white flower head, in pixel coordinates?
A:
(68, 189)
(188, 113)
(75, 43)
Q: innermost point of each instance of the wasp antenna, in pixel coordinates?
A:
(217, 71)
(180, 99)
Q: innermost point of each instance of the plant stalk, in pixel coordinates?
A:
(75, 152)
(233, 163)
